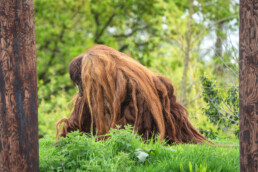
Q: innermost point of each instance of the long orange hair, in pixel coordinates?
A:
(118, 90)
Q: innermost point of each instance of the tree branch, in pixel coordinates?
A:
(100, 33)
(124, 47)
(142, 43)
(131, 33)
(55, 50)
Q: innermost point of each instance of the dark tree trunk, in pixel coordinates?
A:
(18, 87)
(248, 85)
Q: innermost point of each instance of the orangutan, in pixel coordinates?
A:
(115, 89)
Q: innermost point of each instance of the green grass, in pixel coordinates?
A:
(125, 151)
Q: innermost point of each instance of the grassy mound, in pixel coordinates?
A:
(125, 151)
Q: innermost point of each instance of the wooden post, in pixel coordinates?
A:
(248, 85)
(18, 87)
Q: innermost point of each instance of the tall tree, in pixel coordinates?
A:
(221, 16)
(185, 35)
(18, 87)
(187, 52)
(248, 89)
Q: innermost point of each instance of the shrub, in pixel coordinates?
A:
(222, 106)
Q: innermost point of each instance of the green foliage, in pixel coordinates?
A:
(67, 28)
(155, 33)
(52, 111)
(219, 10)
(209, 133)
(152, 31)
(125, 151)
(222, 106)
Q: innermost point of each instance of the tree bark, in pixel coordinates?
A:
(219, 40)
(187, 54)
(248, 89)
(18, 87)
(218, 48)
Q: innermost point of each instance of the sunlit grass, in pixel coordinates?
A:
(125, 151)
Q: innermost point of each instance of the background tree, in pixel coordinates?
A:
(222, 19)
(174, 38)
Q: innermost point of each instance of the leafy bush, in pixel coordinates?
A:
(208, 133)
(125, 151)
(222, 106)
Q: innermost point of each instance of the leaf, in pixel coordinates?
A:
(190, 167)
(141, 155)
(181, 167)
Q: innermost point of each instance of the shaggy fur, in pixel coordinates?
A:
(115, 89)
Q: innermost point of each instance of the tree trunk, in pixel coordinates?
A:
(219, 40)
(218, 48)
(18, 87)
(187, 54)
(248, 89)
